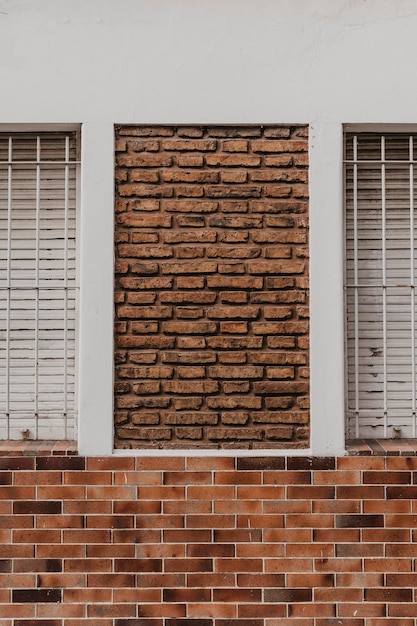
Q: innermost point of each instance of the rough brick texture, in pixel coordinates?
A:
(174, 541)
(211, 288)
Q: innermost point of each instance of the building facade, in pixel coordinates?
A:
(208, 356)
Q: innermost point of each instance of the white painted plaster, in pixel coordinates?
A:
(101, 62)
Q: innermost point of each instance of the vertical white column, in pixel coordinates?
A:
(326, 284)
(96, 290)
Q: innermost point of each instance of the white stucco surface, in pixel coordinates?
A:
(101, 62)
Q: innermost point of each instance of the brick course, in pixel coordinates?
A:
(211, 287)
(212, 541)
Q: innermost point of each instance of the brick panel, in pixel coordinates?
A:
(208, 542)
(211, 287)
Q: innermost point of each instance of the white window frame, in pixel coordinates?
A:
(326, 306)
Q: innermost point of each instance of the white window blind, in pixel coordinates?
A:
(38, 285)
(381, 269)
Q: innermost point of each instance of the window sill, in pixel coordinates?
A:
(356, 447)
(38, 448)
(381, 447)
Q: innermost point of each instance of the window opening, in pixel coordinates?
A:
(38, 285)
(380, 200)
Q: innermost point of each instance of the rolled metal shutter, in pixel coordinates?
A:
(38, 286)
(380, 285)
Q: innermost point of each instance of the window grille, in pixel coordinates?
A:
(38, 285)
(381, 266)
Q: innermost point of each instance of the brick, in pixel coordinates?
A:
(226, 282)
(189, 328)
(189, 358)
(36, 595)
(279, 146)
(190, 160)
(233, 160)
(191, 206)
(194, 267)
(233, 252)
(235, 176)
(231, 221)
(203, 145)
(187, 252)
(190, 131)
(146, 131)
(144, 160)
(222, 372)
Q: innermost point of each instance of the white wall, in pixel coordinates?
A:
(207, 60)
(100, 62)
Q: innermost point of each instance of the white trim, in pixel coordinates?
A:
(96, 291)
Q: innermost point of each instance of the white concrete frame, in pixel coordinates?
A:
(326, 289)
(327, 308)
(95, 382)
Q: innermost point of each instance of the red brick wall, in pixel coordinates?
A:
(211, 287)
(208, 541)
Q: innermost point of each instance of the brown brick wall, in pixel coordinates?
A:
(211, 290)
(208, 541)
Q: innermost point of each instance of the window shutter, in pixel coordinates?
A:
(380, 285)
(37, 286)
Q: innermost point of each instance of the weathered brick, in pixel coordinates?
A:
(279, 206)
(190, 160)
(234, 312)
(144, 176)
(136, 432)
(224, 372)
(234, 176)
(144, 145)
(141, 312)
(234, 433)
(190, 387)
(290, 146)
(208, 268)
(191, 418)
(226, 191)
(203, 145)
(195, 267)
(231, 221)
(232, 160)
(197, 236)
(144, 160)
(233, 252)
(136, 220)
(147, 283)
(188, 252)
(189, 328)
